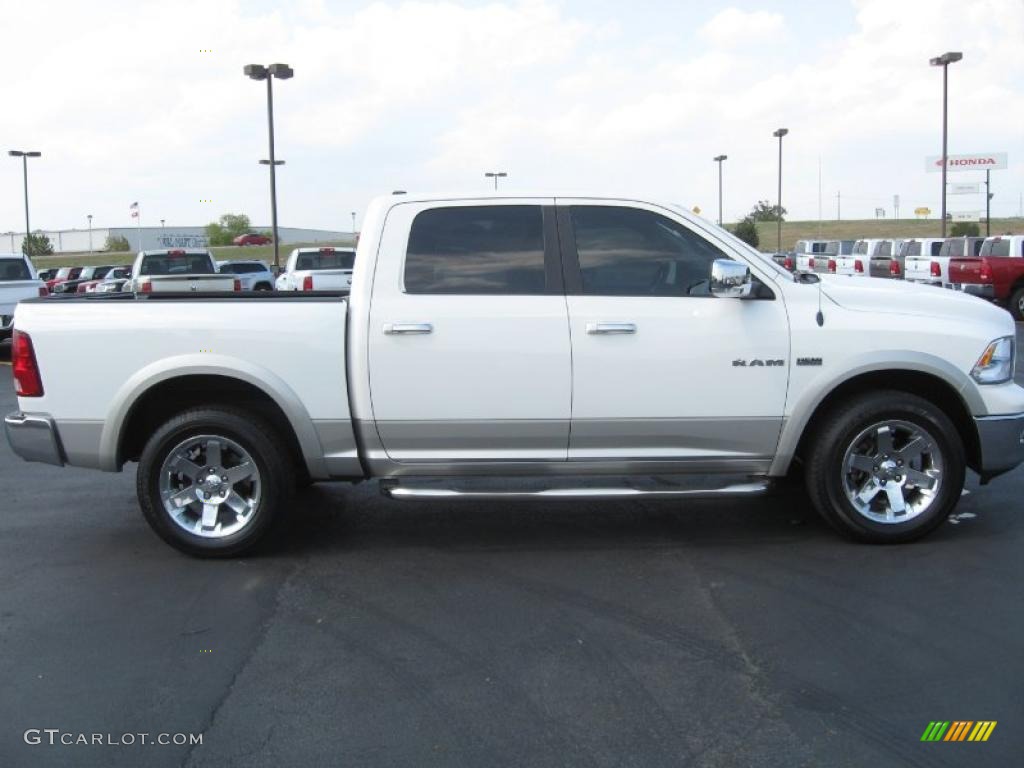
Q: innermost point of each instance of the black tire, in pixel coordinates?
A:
(276, 475)
(839, 430)
(263, 287)
(1016, 305)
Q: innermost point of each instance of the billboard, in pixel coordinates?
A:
(983, 161)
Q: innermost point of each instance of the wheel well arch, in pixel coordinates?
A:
(929, 386)
(170, 396)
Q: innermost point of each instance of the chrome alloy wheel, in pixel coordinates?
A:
(892, 471)
(210, 486)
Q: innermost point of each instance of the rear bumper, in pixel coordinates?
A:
(33, 436)
(1001, 439)
(985, 290)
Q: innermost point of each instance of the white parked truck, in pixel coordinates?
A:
(18, 280)
(588, 346)
(318, 269)
(178, 270)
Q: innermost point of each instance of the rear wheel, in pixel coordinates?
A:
(213, 481)
(1017, 304)
(263, 287)
(888, 467)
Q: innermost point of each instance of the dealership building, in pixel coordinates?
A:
(141, 238)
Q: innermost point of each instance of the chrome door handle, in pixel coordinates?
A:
(611, 328)
(407, 329)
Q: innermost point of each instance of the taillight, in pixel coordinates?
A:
(787, 263)
(238, 285)
(307, 283)
(810, 263)
(146, 286)
(27, 382)
(936, 269)
(82, 288)
(858, 266)
(894, 268)
(832, 266)
(43, 291)
(986, 272)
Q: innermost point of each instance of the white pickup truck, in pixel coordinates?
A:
(18, 280)
(318, 269)
(178, 270)
(591, 347)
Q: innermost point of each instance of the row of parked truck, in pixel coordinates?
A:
(191, 270)
(991, 267)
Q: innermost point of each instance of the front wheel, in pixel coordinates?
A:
(1017, 304)
(214, 481)
(887, 467)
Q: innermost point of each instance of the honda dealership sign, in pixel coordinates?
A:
(986, 161)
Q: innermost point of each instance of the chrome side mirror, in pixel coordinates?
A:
(730, 279)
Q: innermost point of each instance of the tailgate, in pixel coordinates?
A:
(331, 279)
(194, 283)
(13, 291)
(966, 271)
(919, 268)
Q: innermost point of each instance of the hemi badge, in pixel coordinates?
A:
(808, 361)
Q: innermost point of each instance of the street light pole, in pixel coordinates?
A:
(353, 223)
(89, 217)
(281, 72)
(495, 175)
(24, 170)
(719, 160)
(944, 61)
(778, 206)
(988, 203)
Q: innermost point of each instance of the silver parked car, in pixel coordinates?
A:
(254, 275)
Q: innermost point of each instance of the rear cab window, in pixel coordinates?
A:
(999, 247)
(14, 269)
(325, 258)
(175, 263)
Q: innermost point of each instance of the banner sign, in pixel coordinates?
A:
(985, 161)
(964, 189)
(966, 215)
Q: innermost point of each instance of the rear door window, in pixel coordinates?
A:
(477, 250)
(936, 247)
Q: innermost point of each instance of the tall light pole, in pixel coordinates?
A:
(24, 169)
(89, 217)
(281, 72)
(944, 61)
(778, 205)
(353, 223)
(719, 160)
(495, 175)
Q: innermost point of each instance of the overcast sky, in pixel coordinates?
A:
(604, 95)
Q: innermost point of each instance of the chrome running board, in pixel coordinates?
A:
(427, 490)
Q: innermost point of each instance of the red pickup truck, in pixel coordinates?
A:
(997, 273)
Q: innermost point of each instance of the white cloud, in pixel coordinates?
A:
(733, 28)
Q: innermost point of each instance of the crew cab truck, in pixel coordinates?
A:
(180, 269)
(921, 262)
(317, 269)
(887, 261)
(588, 346)
(996, 274)
(18, 280)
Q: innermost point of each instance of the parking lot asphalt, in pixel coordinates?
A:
(461, 634)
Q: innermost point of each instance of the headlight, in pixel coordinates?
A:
(996, 364)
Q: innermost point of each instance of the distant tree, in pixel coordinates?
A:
(746, 230)
(965, 229)
(765, 211)
(230, 226)
(116, 244)
(37, 244)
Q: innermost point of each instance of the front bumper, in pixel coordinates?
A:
(1001, 443)
(985, 290)
(34, 437)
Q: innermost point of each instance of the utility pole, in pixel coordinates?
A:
(839, 209)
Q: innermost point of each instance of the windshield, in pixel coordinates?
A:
(325, 260)
(14, 269)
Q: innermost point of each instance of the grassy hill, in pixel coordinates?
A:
(856, 229)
